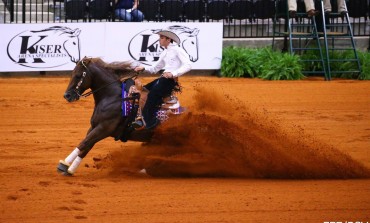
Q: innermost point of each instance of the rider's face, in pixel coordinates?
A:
(164, 41)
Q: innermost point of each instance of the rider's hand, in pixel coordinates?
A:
(138, 69)
(167, 75)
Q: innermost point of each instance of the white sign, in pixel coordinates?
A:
(51, 47)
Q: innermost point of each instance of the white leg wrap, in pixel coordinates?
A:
(72, 156)
(74, 165)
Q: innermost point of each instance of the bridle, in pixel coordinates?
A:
(81, 81)
(85, 73)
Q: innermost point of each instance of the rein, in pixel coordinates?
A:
(84, 74)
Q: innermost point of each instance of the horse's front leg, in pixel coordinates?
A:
(69, 165)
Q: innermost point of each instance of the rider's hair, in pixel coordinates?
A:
(170, 39)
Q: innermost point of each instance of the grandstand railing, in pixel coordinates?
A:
(241, 18)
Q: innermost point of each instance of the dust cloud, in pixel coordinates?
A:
(220, 136)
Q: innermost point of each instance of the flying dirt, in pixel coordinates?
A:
(220, 136)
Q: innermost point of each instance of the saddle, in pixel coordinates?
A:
(170, 106)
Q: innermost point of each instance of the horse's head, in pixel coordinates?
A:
(189, 40)
(72, 45)
(190, 44)
(79, 82)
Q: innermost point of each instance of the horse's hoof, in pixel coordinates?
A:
(62, 168)
(67, 174)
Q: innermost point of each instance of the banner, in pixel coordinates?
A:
(58, 46)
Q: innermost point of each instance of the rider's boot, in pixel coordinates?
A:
(155, 124)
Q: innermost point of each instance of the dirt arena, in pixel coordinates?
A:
(246, 150)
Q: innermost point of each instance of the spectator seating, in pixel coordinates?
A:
(201, 10)
(241, 9)
(264, 9)
(217, 9)
(150, 9)
(75, 9)
(100, 9)
(358, 8)
(194, 10)
(171, 10)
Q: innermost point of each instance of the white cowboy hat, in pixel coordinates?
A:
(168, 33)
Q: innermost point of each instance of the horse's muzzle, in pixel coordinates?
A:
(70, 96)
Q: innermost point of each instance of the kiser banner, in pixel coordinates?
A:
(52, 47)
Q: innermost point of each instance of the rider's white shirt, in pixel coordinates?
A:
(174, 59)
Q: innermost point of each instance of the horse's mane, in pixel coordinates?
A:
(62, 29)
(181, 29)
(124, 68)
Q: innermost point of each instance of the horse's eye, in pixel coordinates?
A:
(192, 42)
(77, 74)
(74, 43)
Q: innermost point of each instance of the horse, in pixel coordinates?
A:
(189, 40)
(69, 39)
(105, 82)
(50, 47)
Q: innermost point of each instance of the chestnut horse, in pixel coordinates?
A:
(105, 81)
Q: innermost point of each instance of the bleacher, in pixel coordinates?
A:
(241, 18)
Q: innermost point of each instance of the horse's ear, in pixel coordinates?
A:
(86, 60)
(78, 61)
(155, 30)
(195, 32)
(76, 32)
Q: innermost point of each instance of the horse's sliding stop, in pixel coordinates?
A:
(119, 97)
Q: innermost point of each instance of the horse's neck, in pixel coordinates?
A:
(104, 84)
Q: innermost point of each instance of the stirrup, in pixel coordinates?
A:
(138, 123)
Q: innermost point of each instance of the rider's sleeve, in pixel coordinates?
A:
(157, 66)
(185, 63)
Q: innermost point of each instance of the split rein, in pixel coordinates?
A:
(84, 74)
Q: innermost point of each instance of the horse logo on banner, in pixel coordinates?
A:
(47, 48)
(150, 49)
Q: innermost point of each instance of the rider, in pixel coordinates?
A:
(175, 62)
